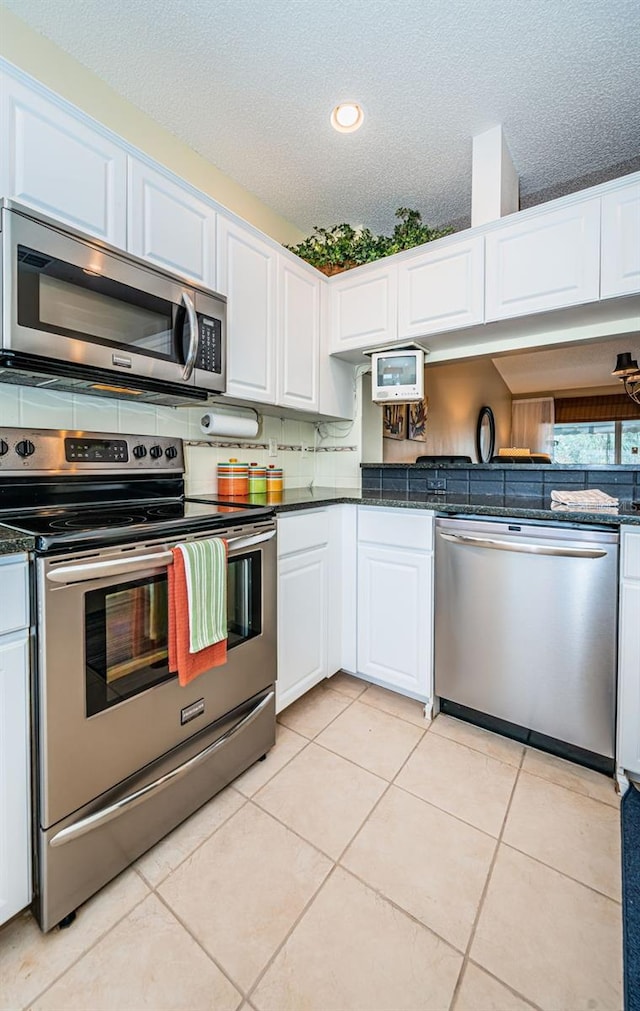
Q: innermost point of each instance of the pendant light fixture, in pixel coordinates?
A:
(627, 372)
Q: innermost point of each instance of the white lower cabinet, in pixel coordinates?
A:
(628, 747)
(395, 599)
(316, 598)
(15, 823)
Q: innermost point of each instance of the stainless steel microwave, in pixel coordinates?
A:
(92, 317)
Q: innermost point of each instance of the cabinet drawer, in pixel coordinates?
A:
(630, 556)
(400, 528)
(302, 531)
(14, 595)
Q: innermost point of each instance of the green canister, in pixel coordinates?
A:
(257, 479)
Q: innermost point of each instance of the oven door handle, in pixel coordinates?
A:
(157, 560)
(114, 567)
(237, 543)
(114, 810)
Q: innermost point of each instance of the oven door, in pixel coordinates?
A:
(107, 704)
(74, 300)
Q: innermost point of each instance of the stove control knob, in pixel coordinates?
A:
(139, 452)
(171, 452)
(25, 448)
(155, 452)
(4, 448)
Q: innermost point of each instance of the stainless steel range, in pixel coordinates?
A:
(122, 752)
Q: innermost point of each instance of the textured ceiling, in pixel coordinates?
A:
(567, 368)
(250, 84)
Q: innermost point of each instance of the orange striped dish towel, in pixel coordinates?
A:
(188, 665)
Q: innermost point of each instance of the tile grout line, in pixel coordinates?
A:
(563, 874)
(336, 863)
(483, 896)
(86, 951)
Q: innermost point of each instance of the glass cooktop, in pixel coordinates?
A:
(106, 524)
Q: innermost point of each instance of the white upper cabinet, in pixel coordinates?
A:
(442, 289)
(364, 308)
(548, 261)
(57, 163)
(337, 395)
(170, 226)
(620, 250)
(247, 275)
(298, 335)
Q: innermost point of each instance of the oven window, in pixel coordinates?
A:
(126, 626)
(244, 604)
(61, 298)
(126, 641)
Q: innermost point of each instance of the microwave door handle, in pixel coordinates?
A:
(194, 336)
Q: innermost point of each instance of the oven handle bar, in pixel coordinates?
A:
(138, 796)
(157, 560)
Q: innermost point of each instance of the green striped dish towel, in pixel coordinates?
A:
(205, 564)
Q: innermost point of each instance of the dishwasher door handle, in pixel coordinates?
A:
(522, 548)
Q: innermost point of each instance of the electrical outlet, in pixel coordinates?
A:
(273, 447)
(436, 484)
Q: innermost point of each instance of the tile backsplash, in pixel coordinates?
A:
(306, 454)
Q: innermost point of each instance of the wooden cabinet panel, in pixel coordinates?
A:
(548, 261)
(59, 165)
(442, 289)
(620, 249)
(247, 275)
(169, 226)
(298, 336)
(364, 308)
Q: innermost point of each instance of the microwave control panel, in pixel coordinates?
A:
(209, 355)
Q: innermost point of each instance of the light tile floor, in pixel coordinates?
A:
(373, 861)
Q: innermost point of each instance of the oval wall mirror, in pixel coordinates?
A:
(485, 435)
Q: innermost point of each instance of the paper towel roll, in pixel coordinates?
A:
(242, 426)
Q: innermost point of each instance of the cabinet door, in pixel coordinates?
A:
(620, 251)
(548, 261)
(298, 336)
(57, 163)
(302, 623)
(442, 289)
(15, 843)
(169, 225)
(364, 307)
(247, 275)
(395, 618)
(628, 751)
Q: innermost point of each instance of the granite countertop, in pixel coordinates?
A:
(302, 498)
(13, 542)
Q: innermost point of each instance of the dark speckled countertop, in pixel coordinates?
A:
(294, 499)
(12, 542)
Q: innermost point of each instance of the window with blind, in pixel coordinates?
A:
(596, 430)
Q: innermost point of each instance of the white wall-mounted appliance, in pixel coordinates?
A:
(397, 376)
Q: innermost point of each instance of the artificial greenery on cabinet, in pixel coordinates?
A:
(332, 250)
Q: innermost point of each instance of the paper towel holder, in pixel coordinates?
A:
(228, 411)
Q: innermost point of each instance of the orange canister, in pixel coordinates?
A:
(233, 478)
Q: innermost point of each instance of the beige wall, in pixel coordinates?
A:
(54, 68)
(456, 392)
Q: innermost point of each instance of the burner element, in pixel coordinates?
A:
(93, 521)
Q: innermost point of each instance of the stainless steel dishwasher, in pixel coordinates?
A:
(525, 632)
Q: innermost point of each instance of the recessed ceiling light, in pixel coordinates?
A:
(346, 117)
